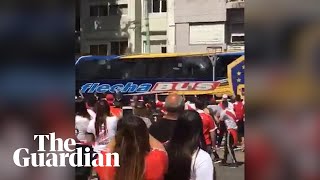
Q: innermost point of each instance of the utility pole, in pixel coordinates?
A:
(146, 22)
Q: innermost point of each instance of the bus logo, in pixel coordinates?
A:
(184, 86)
(130, 87)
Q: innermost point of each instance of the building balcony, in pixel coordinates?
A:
(231, 4)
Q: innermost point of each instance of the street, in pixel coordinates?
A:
(227, 173)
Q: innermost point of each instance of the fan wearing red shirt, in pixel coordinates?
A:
(239, 110)
(209, 129)
(115, 111)
(141, 156)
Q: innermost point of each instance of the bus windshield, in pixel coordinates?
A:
(221, 68)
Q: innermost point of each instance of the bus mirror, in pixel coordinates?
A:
(213, 59)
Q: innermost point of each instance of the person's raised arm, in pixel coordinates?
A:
(156, 97)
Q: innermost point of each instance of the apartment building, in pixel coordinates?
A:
(118, 26)
(158, 26)
(235, 35)
(104, 26)
(203, 24)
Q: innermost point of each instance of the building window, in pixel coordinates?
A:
(99, 10)
(119, 48)
(237, 38)
(156, 46)
(207, 33)
(164, 6)
(158, 6)
(118, 9)
(101, 49)
(163, 49)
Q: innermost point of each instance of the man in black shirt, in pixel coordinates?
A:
(164, 127)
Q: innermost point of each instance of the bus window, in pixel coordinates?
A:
(173, 68)
(100, 69)
(193, 68)
(153, 68)
(127, 70)
(87, 70)
(133, 69)
(198, 67)
(221, 68)
(183, 67)
(114, 70)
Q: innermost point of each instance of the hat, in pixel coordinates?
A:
(110, 98)
(225, 96)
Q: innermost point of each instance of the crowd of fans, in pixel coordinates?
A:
(176, 138)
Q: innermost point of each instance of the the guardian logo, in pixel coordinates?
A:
(62, 155)
(130, 87)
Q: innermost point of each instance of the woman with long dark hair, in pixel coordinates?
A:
(187, 159)
(82, 120)
(140, 159)
(103, 127)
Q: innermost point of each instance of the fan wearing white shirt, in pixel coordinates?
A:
(229, 118)
(225, 98)
(103, 127)
(222, 127)
(82, 120)
(187, 159)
